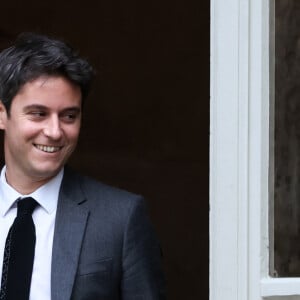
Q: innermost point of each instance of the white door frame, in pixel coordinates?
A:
(239, 154)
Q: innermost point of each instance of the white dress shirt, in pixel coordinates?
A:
(44, 220)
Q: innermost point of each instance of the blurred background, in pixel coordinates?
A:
(146, 121)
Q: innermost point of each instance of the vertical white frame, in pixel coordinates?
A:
(239, 154)
(239, 148)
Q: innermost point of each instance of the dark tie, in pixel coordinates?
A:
(19, 254)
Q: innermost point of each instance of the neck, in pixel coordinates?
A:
(23, 184)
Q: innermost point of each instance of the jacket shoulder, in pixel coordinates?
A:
(94, 190)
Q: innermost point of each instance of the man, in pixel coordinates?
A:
(92, 241)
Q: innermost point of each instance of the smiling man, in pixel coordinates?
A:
(41, 130)
(77, 238)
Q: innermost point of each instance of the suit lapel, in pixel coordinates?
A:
(71, 218)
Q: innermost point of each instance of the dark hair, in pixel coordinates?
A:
(35, 55)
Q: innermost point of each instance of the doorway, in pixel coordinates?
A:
(146, 122)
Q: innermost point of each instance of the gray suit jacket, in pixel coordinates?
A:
(104, 247)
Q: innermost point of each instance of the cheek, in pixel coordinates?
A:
(27, 131)
(21, 131)
(72, 134)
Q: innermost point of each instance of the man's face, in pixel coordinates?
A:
(42, 128)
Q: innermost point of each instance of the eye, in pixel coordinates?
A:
(70, 117)
(37, 114)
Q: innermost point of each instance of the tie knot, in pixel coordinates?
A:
(26, 206)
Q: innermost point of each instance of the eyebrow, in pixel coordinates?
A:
(43, 107)
(74, 109)
(34, 106)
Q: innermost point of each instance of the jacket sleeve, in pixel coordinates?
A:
(142, 276)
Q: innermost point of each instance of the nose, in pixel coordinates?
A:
(52, 128)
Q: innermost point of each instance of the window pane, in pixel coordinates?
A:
(285, 223)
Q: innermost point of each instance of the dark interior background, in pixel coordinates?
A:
(146, 122)
(286, 224)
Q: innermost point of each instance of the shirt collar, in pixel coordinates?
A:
(46, 195)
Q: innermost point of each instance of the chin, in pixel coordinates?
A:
(44, 174)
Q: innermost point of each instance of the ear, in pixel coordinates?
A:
(3, 116)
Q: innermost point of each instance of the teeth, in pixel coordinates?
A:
(49, 149)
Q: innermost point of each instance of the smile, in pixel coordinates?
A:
(48, 149)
